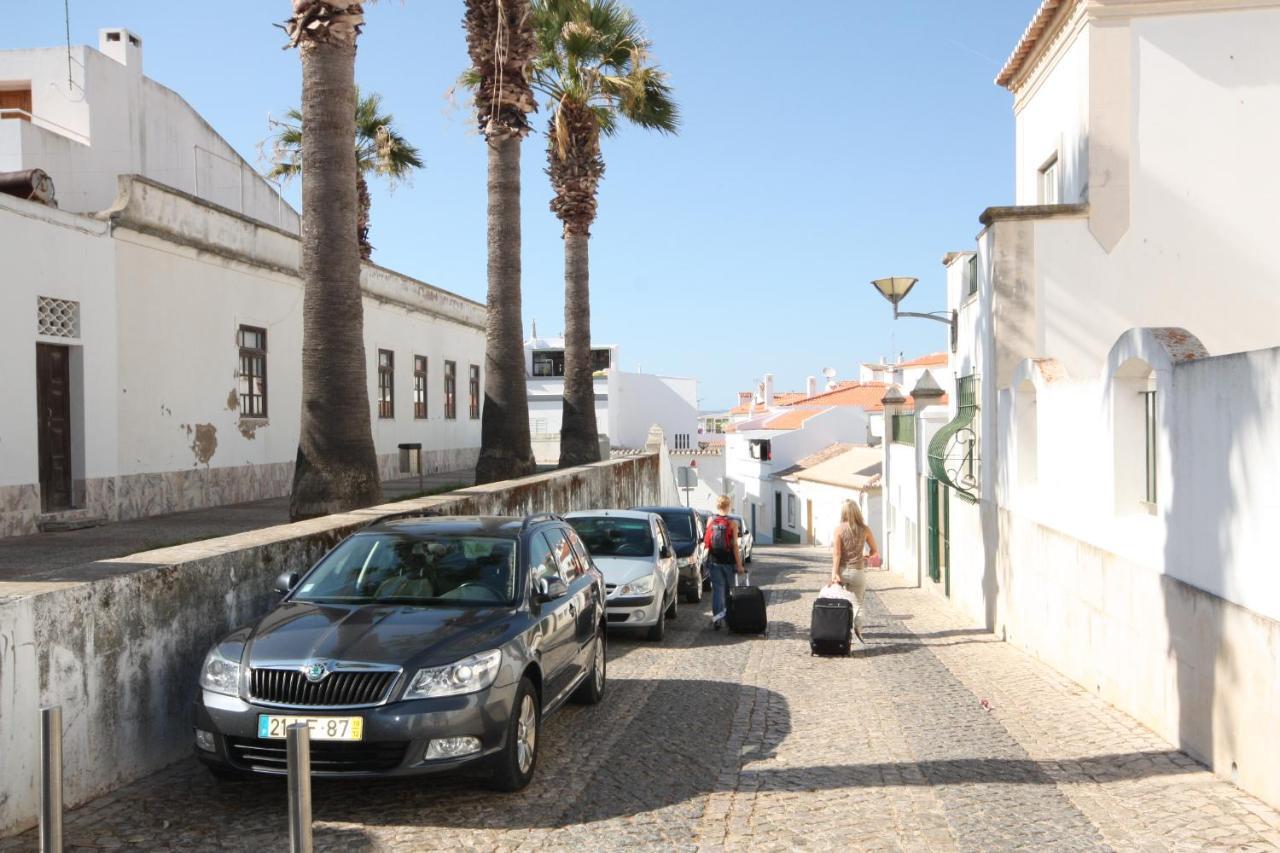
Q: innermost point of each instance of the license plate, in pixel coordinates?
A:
(275, 727)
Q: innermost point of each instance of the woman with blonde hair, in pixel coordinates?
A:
(853, 546)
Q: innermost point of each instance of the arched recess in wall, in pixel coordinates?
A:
(1031, 381)
(1134, 431)
(1138, 375)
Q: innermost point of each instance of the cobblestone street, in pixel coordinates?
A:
(932, 736)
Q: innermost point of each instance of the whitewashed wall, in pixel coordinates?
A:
(163, 292)
(645, 399)
(113, 121)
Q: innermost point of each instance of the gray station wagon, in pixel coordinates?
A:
(417, 645)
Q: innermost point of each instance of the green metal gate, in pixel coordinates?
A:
(939, 533)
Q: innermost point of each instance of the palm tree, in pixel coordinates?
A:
(380, 150)
(500, 44)
(337, 468)
(593, 65)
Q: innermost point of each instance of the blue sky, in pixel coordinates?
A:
(824, 144)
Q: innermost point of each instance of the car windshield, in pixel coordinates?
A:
(607, 536)
(679, 523)
(420, 570)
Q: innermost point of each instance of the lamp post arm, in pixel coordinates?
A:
(947, 317)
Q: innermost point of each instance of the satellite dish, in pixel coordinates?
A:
(829, 372)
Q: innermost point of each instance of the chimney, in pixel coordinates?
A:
(768, 389)
(811, 386)
(122, 46)
(744, 398)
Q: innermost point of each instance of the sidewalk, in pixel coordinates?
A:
(76, 554)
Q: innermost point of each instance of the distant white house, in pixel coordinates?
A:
(816, 488)
(1101, 488)
(151, 324)
(627, 404)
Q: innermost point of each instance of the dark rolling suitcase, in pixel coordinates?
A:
(746, 611)
(830, 626)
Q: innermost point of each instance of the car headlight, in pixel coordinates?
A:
(639, 586)
(466, 676)
(220, 674)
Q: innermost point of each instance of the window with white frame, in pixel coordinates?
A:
(1050, 182)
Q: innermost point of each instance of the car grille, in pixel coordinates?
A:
(336, 690)
(326, 756)
(617, 617)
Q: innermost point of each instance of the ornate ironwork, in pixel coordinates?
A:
(953, 450)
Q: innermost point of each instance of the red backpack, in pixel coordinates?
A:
(719, 539)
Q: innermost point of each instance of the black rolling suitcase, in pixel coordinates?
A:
(746, 611)
(830, 626)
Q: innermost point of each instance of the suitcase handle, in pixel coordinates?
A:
(742, 579)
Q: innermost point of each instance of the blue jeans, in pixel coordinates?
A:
(721, 579)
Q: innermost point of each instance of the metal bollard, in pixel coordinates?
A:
(299, 754)
(51, 779)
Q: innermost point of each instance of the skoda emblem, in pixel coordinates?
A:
(317, 670)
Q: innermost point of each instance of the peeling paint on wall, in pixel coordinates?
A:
(205, 443)
(233, 401)
(249, 427)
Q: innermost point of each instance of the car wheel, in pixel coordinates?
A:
(591, 691)
(515, 764)
(658, 629)
(673, 609)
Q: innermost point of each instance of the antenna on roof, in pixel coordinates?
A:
(829, 372)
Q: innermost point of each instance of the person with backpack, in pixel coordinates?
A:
(853, 547)
(721, 540)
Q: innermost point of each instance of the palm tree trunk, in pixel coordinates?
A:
(362, 220)
(505, 449)
(579, 442)
(337, 468)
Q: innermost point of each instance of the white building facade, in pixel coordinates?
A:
(1102, 486)
(154, 347)
(627, 404)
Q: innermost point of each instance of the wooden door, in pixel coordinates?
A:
(53, 406)
(808, 525)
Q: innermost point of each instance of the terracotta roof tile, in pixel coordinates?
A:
(813, 459)
(1036, 30)
(934, 359)
(865, 395)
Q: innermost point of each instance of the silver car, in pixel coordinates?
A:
(634, 551)
(746, 539)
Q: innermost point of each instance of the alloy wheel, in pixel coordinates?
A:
(526, 734)
(598, 666)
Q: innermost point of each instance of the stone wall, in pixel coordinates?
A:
(121, 655)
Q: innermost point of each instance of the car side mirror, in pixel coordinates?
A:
(665, 552)
(286, 582)
(549, 589)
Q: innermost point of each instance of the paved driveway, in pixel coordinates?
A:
(933, 736)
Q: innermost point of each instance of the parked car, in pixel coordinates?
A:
(417, 645)
(746, 539)
(686, 529)
(635, 553)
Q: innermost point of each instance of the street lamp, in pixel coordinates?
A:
(896, 288)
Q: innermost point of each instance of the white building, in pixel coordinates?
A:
(1102, 487)
(772, 433)
(627, 404)
(113, 120)
(153, 344)
(815, 489)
